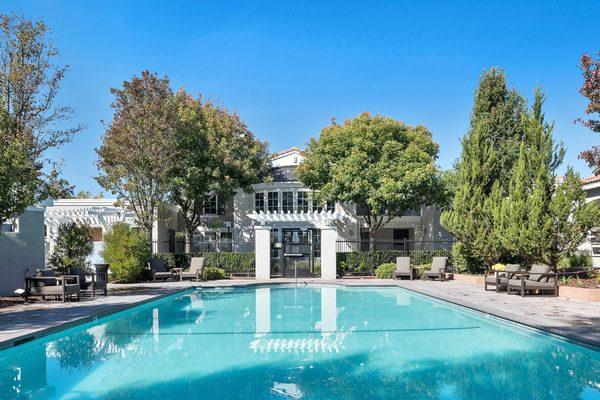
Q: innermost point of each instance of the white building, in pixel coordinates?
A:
(21, 249)
(591, 186)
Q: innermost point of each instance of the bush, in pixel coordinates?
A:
(213, 274)
(385, 271)
(582, 259)
(365, 262)
(73, 247)
(126, 250)
(464, 261)
(231, 263)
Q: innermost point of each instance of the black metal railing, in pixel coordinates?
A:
(348, 246)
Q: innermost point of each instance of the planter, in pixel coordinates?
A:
(576, 293)
(472, 279)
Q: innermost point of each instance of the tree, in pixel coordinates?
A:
(56, 187)
(569, 220)
(591, 90)
(73, 247)
(490, 149)
(126, 250)
(382, 165)
(30, 122)
(138, 147)
(216, 155)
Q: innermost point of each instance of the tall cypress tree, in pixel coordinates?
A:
(490, 150)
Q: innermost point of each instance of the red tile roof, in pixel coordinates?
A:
(591, 179)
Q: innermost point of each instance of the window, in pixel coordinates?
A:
(210, 205)
(330, 206)
(302, 202)
(226, 236)
(364, 240)
(287, 204)
(316, 206)
(273, 201)
(259, 202)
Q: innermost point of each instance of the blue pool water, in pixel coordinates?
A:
(282, 342)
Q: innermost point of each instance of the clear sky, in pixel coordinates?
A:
(287, 67)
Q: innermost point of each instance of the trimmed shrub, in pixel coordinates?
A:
(213, 274)
(73, 247)
(230, 263)
(126, 250)
(464, 261)
(385, 271)
(365, 262)
(575, 260)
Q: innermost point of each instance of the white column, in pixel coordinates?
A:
(328, 252)
(263, 311)
(262, 252)
(328, 309)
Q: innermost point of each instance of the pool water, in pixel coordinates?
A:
(283, 342)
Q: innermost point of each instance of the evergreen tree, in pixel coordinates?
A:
(490, 150)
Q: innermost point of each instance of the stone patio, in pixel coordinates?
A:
(575, 320)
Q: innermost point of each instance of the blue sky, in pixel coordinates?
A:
(288, 67)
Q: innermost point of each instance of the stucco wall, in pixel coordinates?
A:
(21, 252)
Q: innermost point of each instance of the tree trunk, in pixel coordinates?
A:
(189, 234)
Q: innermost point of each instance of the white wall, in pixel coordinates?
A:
(21, 252)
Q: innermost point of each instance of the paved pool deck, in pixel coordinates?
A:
(575, 320)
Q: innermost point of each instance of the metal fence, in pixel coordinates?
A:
(178, 246)
(348, 246)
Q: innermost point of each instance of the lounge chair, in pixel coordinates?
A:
(160, 271)
(196, 270)
(92, 280)
(539, 278)
(45, 283)
(438, 269)
(499, 279)
(403, 268)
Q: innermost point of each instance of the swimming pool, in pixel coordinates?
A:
(314, 342)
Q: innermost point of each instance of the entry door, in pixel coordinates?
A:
(298, 253)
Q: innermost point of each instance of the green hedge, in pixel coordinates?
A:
(365, 262)
(385, 271)
(232, 263)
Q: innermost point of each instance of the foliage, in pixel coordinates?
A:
(464, 261)
(213, 274)
(126, 251)
(73, 247)
(489, 151)
(138, 146)
(385, 271)
(57, 187)
(591, 90)
(569, 220)
(216, 155)
(231, 263)
(365, 262)
(30, 121)
(380, 164)
(576, 260)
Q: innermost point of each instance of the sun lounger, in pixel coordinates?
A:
(499, 279)
(403, 268)
(160, 270)
(196, 270)
(438, 269)
(538, 279)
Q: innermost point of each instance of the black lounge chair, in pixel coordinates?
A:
(45, 283)
(93, 280)
(403, 268)
(196, 270)
(438, 270)
(499, 279)
(160, 271)
(538, 279)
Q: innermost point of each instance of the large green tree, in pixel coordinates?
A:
(216, 155)
(72, 248)
(30, 121)
(380, 164)
(490, 149)
(138, 149)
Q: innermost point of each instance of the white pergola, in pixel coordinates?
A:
(323, 218)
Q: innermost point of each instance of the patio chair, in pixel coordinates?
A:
(92, 280)
(403, 268)
(196, 270)
(539, 279)
(438, 270)
(45, 283)
(499, 279)
(160, 271)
